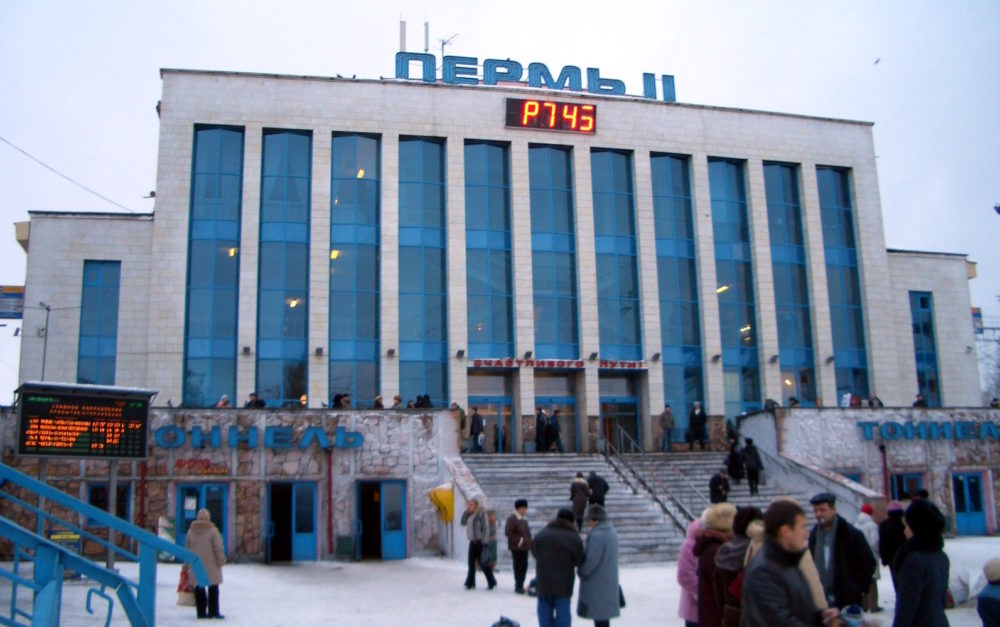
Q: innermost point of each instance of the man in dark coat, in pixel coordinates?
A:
(697, 420)
(751, 460)
(718, 487)
(541, 431)
(891, 536)
(558, 552)
(843, 557)
(554, 431)
(598, 488)
(519, 542)
(775, 592)
(477, 431)
(579, 494)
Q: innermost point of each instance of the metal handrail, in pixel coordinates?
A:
(612, 455)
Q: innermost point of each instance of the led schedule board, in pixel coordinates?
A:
(550, 115)
(82, 421)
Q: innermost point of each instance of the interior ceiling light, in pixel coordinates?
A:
(361, 173)
(334, 254)
(721, 289)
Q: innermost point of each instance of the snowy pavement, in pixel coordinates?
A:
(425, 592)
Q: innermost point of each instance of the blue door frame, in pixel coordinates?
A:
(970, 514)
(621, 410)
(496, 410)
(291, 524)
(194, 496)
(567, 405)
(381, 519)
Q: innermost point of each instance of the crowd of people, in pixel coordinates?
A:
(738, 566)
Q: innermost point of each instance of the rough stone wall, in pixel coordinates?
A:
(397, 445)
(832, 438)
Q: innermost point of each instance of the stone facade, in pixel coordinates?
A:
(931, 443)
(192, 447)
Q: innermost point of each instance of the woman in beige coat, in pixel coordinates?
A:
(204, 540)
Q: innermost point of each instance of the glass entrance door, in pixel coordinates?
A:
(291, 522)
(620, 424)
(499, 428)
(381, 520)
(194, 496)
(967, 490)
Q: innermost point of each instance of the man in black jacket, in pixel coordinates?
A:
(843, 557)
(598, 488)
(558, 552)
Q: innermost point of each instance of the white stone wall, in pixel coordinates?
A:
(946, 278)
(391, 109)
(59, 245)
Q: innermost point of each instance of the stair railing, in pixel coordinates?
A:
(680, 518)
(47, 582)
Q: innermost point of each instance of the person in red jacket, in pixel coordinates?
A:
(717, 530)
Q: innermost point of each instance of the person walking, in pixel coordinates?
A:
(579, 493)
(558, 551)
(666, 429)
(718, 487)
(843, 558)
(204, 540)
(716, 530)
(477, 431)
(598, 488)
(541, 431)
(555, 432)
(921, 567)
(891, 536)
(734, 460)
(477, 530)
(599, 589)
(775, 591)
(697, 420)
(866, 525)
(751, 461)
(518, 542)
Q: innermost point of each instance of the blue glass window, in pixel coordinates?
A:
(734, 286)
(213, 266)
(680, 327)
(922, 317)
(354, 267)
(490, 289)
(98, 322)
(614, 239)
(283, 279)
(791, 293)
(843, 281)
(553, 252)
(423, 320)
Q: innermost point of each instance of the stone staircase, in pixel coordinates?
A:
(645, 534)
(685, 476)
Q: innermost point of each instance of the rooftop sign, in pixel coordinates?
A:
(457, 70)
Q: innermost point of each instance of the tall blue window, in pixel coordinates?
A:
(553, 252)
(98, 323)
(680, 328)
(614, 239)
(843, 282)
(354, 267)
(791, 293)
(922, 317)
(423, 319)
(734, 286)
(283, 277)
(487, 250)
(213, 266)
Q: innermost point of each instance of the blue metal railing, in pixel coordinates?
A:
(138, 599)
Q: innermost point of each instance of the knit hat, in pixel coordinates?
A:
(868, 509)
(992, 570)
(204, 514)
(894, 506)
(924, 518)
(720, 517)
(566, 514)
(520, 503)
(596, 512)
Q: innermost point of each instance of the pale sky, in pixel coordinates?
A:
(80, 82)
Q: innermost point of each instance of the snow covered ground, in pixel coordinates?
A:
(425, 592)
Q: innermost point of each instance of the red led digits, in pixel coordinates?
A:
(551, 115)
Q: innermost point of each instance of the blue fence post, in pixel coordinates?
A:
(147, 582)
(49, 577)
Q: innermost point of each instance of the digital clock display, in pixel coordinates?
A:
(550, 115)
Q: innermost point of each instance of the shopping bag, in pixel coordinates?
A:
(185, 591)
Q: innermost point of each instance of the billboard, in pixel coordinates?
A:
(11, 302)
(82, 421)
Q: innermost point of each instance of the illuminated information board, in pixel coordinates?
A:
(82, 421)
(550, 115)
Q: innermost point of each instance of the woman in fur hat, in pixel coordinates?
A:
(204, 540)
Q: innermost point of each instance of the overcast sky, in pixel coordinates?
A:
(80, 82)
